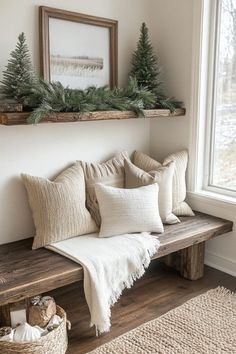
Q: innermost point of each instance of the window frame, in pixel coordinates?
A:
(205, 59)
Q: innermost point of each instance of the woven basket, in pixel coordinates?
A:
(55, 342)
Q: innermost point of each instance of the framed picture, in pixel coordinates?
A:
(76, 49)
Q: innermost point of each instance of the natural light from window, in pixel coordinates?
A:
(222, 174)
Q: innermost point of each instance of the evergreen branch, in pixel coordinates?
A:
(44, 98)
(166, 102)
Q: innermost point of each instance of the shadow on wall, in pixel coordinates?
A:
(15, 211)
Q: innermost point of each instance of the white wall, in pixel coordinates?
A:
(171, 28)
(173, 37)
(46, 149)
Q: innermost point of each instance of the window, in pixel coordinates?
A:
(220, 152)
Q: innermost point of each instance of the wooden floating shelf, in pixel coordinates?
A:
(19, 118)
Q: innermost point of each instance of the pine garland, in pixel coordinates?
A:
(19, 71)
(45, 98)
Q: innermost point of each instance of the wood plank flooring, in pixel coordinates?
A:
(160, 290)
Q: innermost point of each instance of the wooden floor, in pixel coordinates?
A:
(160, 290)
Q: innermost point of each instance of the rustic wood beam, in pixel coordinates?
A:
(20, 118)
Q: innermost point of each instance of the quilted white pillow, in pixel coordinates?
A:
(145, 162)
(128, 210)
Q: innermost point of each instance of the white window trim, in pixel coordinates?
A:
(204, 23)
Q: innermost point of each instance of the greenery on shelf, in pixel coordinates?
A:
(144, 89)
(19, 71)
(146, 70)
(43, 98)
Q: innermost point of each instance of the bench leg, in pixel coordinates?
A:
(5, 311)
(192, 261)
(5, 319)
(188, 261)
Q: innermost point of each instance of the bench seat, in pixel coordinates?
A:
(25, 273)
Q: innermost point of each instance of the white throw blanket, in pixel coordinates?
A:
(110, 265)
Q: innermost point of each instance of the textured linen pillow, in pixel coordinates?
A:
(180, 207)
(58, 206)
(163, 176)
(128, 210)
(109, 173)
(145, 162)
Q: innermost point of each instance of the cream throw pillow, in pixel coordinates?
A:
(58, 206)
(180, 207)
(128, 210)
(163, 176)
(110, 173)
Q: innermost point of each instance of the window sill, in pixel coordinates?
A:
(213, 199)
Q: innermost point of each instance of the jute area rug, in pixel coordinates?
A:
(205, 324)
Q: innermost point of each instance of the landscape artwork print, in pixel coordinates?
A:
(79, 54)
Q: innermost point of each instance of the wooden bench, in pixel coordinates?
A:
(25, 273)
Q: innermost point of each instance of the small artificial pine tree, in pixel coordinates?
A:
(147, 72)
(19, 71)
(145, 63)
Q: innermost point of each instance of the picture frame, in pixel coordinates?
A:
(76, 49)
